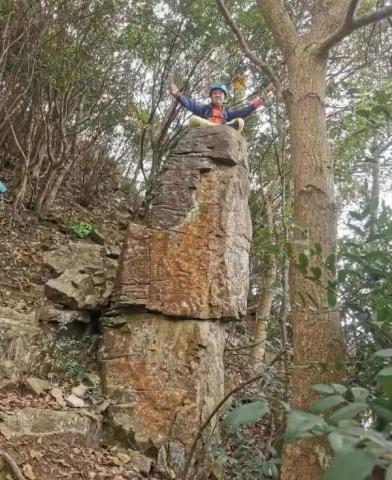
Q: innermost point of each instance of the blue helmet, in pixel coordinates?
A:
(218, 86)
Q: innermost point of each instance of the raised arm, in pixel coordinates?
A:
(194, 107)
(246, 111)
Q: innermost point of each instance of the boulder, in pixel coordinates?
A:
(36, 422)
(80, 391)
(37, 385)
(19, 333)
(74, 401)
(57, 394)
(72, 289)
(52, 314)
(75, 256)
(97, 237)
(113, 251)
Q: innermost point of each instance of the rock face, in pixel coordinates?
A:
(192, 261)
(86, 274)
(34, 422)
(179, 277)
(163, 374)
(18, 333)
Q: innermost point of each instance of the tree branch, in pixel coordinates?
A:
(350, 24)
(255, 59)
(280, 24)
(374, 17)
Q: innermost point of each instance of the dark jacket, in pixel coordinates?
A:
(204, 110)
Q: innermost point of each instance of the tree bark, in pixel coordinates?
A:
(317, 334)
(375, 191)
(263, 312)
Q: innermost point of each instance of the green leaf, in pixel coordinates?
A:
(341, 389)
(303, 261)
(288, 249)
(316, 272)
(330, 263)
(346, 412)
(331, 298)
(363, 112)
(341, 443)
(385, 372)
(388, 475)
(270, 470)
(355, 465)
(247, 413)
(317, 249)
(326, 403)
(273, 249)
(387, 383)
(304, 425)
(387, 352)
(382, 411)
(342, 275)
(360, 394)
(321, 388)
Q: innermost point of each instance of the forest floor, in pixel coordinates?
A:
(23, 240)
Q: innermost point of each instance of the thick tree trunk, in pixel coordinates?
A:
(317, 334)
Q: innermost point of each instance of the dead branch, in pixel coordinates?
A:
(11, 462)
(255, 59)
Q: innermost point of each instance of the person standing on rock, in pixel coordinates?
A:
(214, 113)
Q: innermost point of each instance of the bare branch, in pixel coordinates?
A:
(255, 59)
(374, 17)
(11, 462)
(350, 24)
(19, 146)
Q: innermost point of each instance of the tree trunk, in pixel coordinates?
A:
(46, 186)
(317, 334)
(56, 184)
(375, 192)
(22, 188)
(263, 312)
(285, 309)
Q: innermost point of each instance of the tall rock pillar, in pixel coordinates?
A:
(179, 278)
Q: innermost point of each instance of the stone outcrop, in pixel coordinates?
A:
(179, 277)
(85, 275)
(18, 332)
(161, 372)
(35, 422)
(192, 260)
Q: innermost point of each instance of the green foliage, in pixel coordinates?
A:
(67, 360)
(354, 465)
(359, 430)
(82, 229)
(247, 413)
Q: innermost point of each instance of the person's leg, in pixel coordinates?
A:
(196, 121)
(237, 123)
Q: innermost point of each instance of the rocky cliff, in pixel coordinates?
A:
(179, 277)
